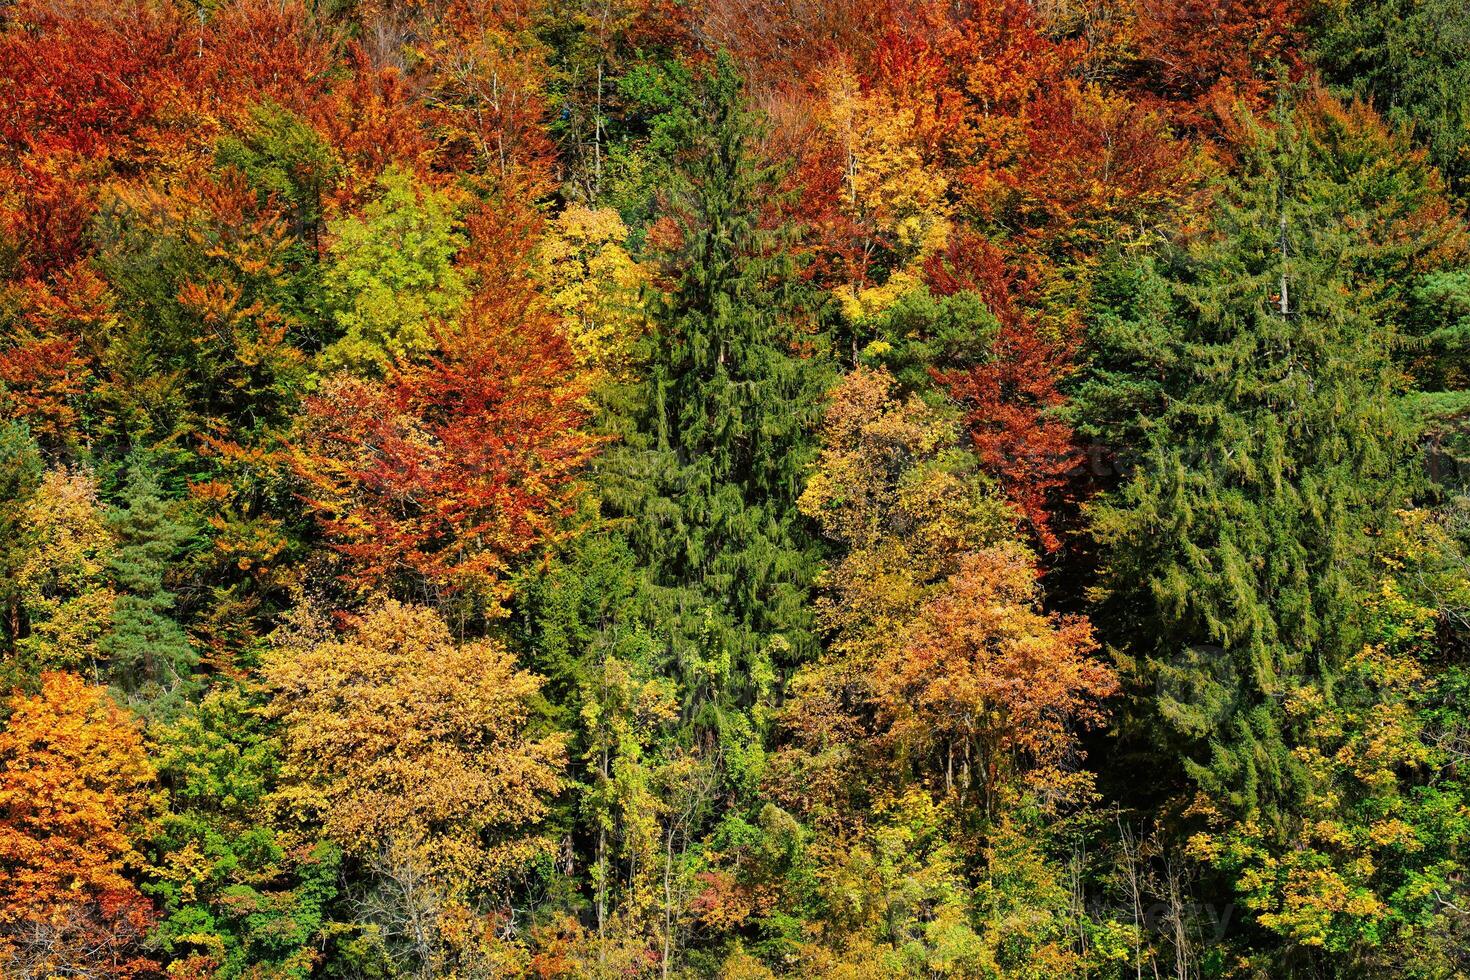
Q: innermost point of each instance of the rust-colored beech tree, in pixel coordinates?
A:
(436, 478)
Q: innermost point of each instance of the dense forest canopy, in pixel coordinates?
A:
(734, 489)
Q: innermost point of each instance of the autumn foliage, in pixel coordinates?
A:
(734, 488)
(450, 469)
(74, 792)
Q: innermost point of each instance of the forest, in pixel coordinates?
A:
(736, 489)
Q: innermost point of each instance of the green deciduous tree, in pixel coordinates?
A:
(237, 892)
(20, 475)
(391, 279)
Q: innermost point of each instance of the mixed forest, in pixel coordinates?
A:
(734, 489)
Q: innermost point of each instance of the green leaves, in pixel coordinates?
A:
(391, 281)
(147, 654)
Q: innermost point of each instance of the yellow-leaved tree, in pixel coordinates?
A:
(62, 581)
(895, 489)
(896, 199)
(595, 287)
(413, 749)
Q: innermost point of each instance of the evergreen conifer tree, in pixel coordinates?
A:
(1239, 550)
(148, 655)
(1408, 58)
(706, 485)
(20, 475)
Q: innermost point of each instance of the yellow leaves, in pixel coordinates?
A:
(595, 287)
(870, 439)
(71, 537)
(1395, 833)
(1311, 900)
(859, 304)
(185, 867)
(888, 185)
(1303, 701)
(1330, 832)
(1203, 847)
(937, 638)
(61, 579)
(406, 734)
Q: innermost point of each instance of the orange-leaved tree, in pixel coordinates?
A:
(74, 794)
(436, 479)
(989, 692)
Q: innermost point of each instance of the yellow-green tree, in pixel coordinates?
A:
(392, 280)
(62, 580)
(594, 286)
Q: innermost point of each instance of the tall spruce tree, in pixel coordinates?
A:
(706, 485)
(20, 476)
(1237, 553)
(149, 656)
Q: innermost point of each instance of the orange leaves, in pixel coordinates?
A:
(788, 40)
(73, 785)
(485, 77)
(451, 469)
(45, 211)
(47, 363)
(989, 688)
(372, 119)
(1207, 55)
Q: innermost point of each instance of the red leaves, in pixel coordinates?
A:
(254, 51)
(1010, 400)
(1007, 403)
(85, 80)
(1206, 55)
(451, 469)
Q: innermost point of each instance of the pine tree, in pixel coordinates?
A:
(20, 476)
(148, 655)
(1237, 553)
(708, 481)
